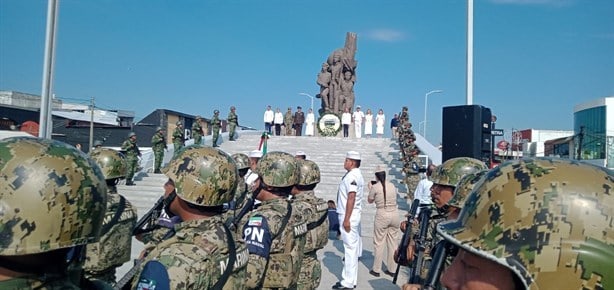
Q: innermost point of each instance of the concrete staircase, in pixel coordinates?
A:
(329, 154)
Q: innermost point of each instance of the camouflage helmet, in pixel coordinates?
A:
(52, 196)
(203, 176)
(216, 112)
(450, 172)
(278, 169)
(548, 220)
(131, 134)
(158, 129)
(97, 143)
(179, 123)
(111, 162)
(464, 187)
(309, 172)
(241, 160)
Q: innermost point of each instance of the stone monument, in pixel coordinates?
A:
(337, 77)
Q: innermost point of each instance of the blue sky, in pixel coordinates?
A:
(533, 59)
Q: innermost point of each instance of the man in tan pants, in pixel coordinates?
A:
(386, 228)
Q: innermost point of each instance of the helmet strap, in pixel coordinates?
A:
(167, 203)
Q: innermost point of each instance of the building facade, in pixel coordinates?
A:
(594, 131)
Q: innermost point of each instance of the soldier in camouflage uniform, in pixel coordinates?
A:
(316, 210)
(178, 137)
(197, 130)
(204, 253)
(240, 198)
(216, 124)
(132, 157)
(275, 231)
(158, 144)
(52, 201)
(233, 122)
(289, 122)
(542, 223)
(445, 179)
(113, 249)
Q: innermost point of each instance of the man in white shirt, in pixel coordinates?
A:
(357, 117)
(269, 116)
(346, 120)
(278, 121)
(423, 189)
(349, 207)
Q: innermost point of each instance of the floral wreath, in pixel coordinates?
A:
(329, 125)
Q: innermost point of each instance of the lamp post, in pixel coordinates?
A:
(425, 104)
(310, 96)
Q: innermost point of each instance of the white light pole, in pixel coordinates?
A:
(425, 103)
(310, 96)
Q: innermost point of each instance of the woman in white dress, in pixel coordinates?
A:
(380, 120)
(311, 118)
(369, 123)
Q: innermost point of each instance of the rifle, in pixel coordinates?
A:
(149, 220)
(441, 251)
(421, 244)
(401, 257)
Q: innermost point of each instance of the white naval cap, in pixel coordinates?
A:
(255, 154)
(380, 168)
(353, 155)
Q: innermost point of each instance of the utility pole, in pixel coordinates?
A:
(91, 125)
(580, 140)
(45, 128)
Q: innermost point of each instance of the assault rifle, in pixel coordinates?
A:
(149, 220)
(401, 257)
(421, 241)
(441, 251)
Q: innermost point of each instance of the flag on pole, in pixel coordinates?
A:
(263, 142)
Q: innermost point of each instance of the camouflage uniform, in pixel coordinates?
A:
(316, 209)
(158, 144)
(216, 124)
(132, 157)
(178, 137)
(233, 122)
(275, 236)
(197, 256)
(113, 249)
(547, 220)
(52, 198)
(289, 122)
(450, 173)
(197, 131)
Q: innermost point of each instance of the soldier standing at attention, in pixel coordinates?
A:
(204, 253)
(197, 130)
(316, 211)
(53, 199)
(299, 119)
(349, 207)
(178, 137)
(216, 124)
(275, 231)
(132, 157)
(158, 144)
(233, 122)
(113, 249)
(534, 223)
(288, 122)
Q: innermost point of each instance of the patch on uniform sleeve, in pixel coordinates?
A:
(257, 236)
(154, 277)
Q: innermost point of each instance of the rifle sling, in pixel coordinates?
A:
(120, 208)
(313, 225)
(232, 257)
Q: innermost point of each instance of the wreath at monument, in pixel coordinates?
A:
(329, 125)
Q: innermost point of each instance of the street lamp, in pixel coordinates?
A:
(310, 96)
(425, 103)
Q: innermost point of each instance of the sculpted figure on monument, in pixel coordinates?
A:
(337, 77)
(324, 78)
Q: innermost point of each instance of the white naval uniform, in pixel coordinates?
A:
(358, 116)
(352, 181)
